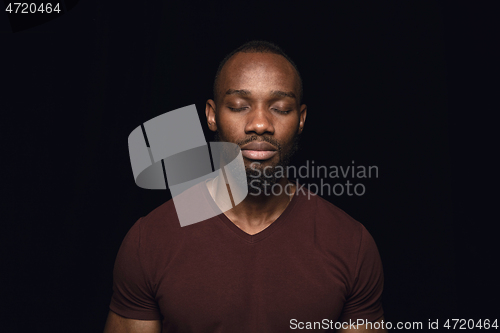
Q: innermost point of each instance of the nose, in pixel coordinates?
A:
(259, 121)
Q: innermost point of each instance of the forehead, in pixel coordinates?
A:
(258, 70)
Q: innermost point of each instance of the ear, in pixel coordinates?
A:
(210, 114)
(302, 119)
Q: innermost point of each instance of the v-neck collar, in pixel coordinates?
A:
(242, 234)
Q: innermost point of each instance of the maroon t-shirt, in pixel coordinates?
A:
(313, 263)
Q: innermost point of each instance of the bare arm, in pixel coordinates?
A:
(119, 324)
(367, 328)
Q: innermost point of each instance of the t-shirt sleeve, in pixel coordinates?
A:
(364, 299)
(132, 293)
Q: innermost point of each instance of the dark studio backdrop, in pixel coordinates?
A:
(387, 84)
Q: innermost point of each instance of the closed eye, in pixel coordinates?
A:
(236, 110)
(244, 108)
(281, 111)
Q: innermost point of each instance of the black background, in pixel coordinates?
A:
(408, 86)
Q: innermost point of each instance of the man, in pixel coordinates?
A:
(273, 263)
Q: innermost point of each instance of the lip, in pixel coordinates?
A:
(258, 150)
(258, 154)
(258, 146)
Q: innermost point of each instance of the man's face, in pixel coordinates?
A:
(258, 109)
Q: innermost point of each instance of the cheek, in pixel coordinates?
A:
(227, 125)
(232, 129)
(289, 128)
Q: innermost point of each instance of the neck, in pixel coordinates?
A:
(255, 212)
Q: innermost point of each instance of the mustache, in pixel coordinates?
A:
(262, 139)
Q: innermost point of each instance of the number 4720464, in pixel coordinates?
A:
(463, 324)
(27, 8)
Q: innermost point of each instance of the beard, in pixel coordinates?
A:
(261, 178)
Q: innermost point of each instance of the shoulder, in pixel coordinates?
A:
(332, 220)
(160, 222)
(343, 239)
(335, 232)
(164, 224)
(162, 231)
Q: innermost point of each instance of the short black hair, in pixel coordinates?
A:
(257, 46)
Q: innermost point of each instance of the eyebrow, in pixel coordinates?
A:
(279, 93)
(240, 92)
(274, 93)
